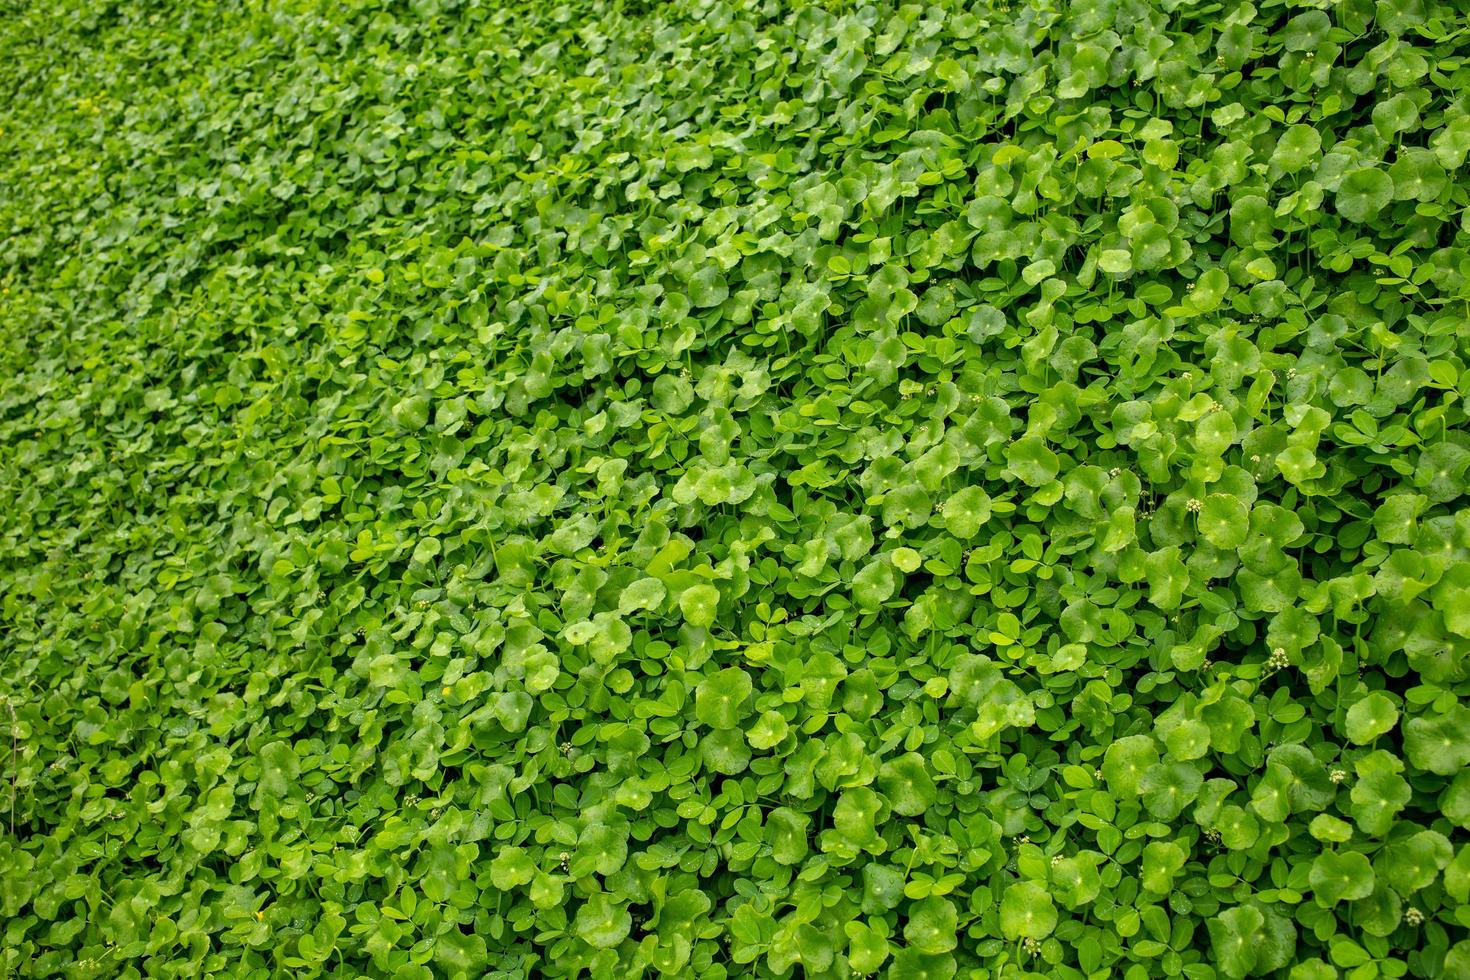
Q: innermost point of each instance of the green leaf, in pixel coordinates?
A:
(787, 832)
(1126, 761)
(1168, 788)
(460, 955)
(933, 926)
(1439, 743)
(720, 698)
(601, 923)
(645, 593)
(510, 868)
(1412, 863)
(280, 767)
(907, 784)
(1363, 193)
(1296, 148)
(1224, 521)
(1338, 876)
(1162, 860)
(412, 412)
(1371, 717)
(966, 512)
(1235, 938)
(708, 288)
(1027, 911)
(868, 948)
(874, 585)
(699, 604)
(1032, 462)
(1075, 880)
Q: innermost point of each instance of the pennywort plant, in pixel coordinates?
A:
(735, 488)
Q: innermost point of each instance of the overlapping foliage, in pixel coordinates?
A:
(735, 489)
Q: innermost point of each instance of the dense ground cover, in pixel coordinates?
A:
(734, 489)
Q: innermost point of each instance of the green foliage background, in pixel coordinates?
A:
(734, 489)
